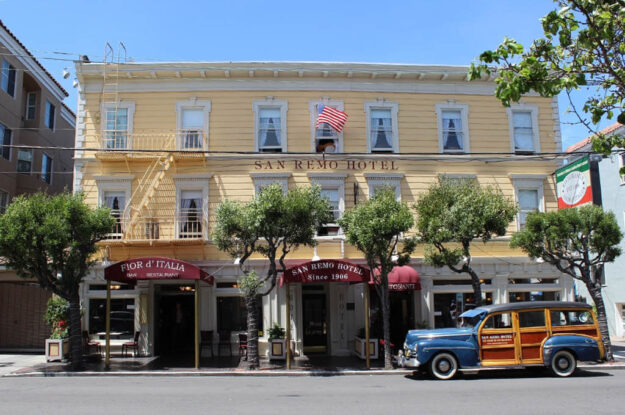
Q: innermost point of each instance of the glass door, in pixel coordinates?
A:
(315, 324)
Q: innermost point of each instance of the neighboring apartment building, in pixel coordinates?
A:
(612, 200)
(32, 113)
(176, 139)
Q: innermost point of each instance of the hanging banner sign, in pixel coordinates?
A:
(573, 184)
(327, 270)
(154, 268)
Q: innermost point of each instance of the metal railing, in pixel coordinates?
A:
(191, 140)
(185, 226)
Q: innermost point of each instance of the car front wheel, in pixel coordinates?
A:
(563, 363)
(443, 366)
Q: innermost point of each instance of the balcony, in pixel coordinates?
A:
(188, 227)
(115, 144)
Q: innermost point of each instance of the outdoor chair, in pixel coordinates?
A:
(88, 343)
(224, 341)
(206, 340)
(132, 345)
(243, 345)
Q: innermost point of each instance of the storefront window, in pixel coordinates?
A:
(122, 316)
(514, 297)
(232, 314)
(447, 307)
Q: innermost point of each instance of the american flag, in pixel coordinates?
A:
(332, 116)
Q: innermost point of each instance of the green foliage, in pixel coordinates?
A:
(583, 44)
(276, 332)
(374, 227)
(249, 284)
(57, 317)
(52, 238)
(459, 211)
(272, 224)
(574, 240)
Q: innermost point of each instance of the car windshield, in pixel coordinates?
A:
(470, 322)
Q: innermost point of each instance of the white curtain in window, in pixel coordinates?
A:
(528, 202)
(191, 203)
(452, 130)
(381, 129)
(116, 201)
(332, 196)
(192, 126)
(523, 134)
(269, 131)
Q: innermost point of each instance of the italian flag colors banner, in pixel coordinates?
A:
(573, 184)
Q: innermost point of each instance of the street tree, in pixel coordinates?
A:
(578, 242)
(53, 239)
(455, 213)
(273, 225)
(583, 45)
(375, 228)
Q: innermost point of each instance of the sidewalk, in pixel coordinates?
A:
(35, 366)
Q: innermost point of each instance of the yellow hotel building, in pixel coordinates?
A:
(162, 144)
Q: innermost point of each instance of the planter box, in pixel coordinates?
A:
(359, 348)
(277, 349)
(57, 349)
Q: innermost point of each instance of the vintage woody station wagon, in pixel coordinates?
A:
(541, 333)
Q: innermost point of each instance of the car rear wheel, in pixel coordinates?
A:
(443, 366)
(563, 363)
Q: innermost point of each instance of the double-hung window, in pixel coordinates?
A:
(8, 78)
(325, 139)
(523, 122)
(190, 218)
(528, 190)
(31, 105)
(453, 132)
(46, 168)
(378, 181)
(116, 201)
(5, 138)
(5, 198)
(24, 161)
(382, 134)
(333, 190)
(50, 115)
(117, 124)
(193, 124)
(270, 122)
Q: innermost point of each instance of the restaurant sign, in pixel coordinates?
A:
(327, 270)
(154, 268)
(573, 184)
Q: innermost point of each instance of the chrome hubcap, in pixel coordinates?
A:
(563, 363)
(444, 366)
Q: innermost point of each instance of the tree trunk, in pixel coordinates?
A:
(252, 332)
(602, 320)
(386, 325)
(75, 332)
(477, 286)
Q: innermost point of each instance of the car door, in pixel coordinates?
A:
(497, 340)
(532, 333)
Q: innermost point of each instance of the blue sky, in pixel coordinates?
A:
(415, 32)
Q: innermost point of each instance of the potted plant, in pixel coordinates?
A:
(57, 317)
(277, 349)
(359, 345)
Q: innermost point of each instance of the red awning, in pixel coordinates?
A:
(325, 270)
(154, 268)
(404, 278)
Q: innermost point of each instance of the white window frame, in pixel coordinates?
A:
(464, 117)
(196, 104)
(312, 107)
(192, 182)
(120, 183)
(283, 106)
(533, 110)
(621, 164)
(266, 179)
(381, 104)
(46, 120)
(334, 181)
(130, 107)
(375, 180)
(32, 155)
(528, 182)
(28, 106)
(43, 156)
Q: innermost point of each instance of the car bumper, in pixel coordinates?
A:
(409, 362)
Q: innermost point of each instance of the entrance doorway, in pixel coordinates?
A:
(314, 319)
(174, 322)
